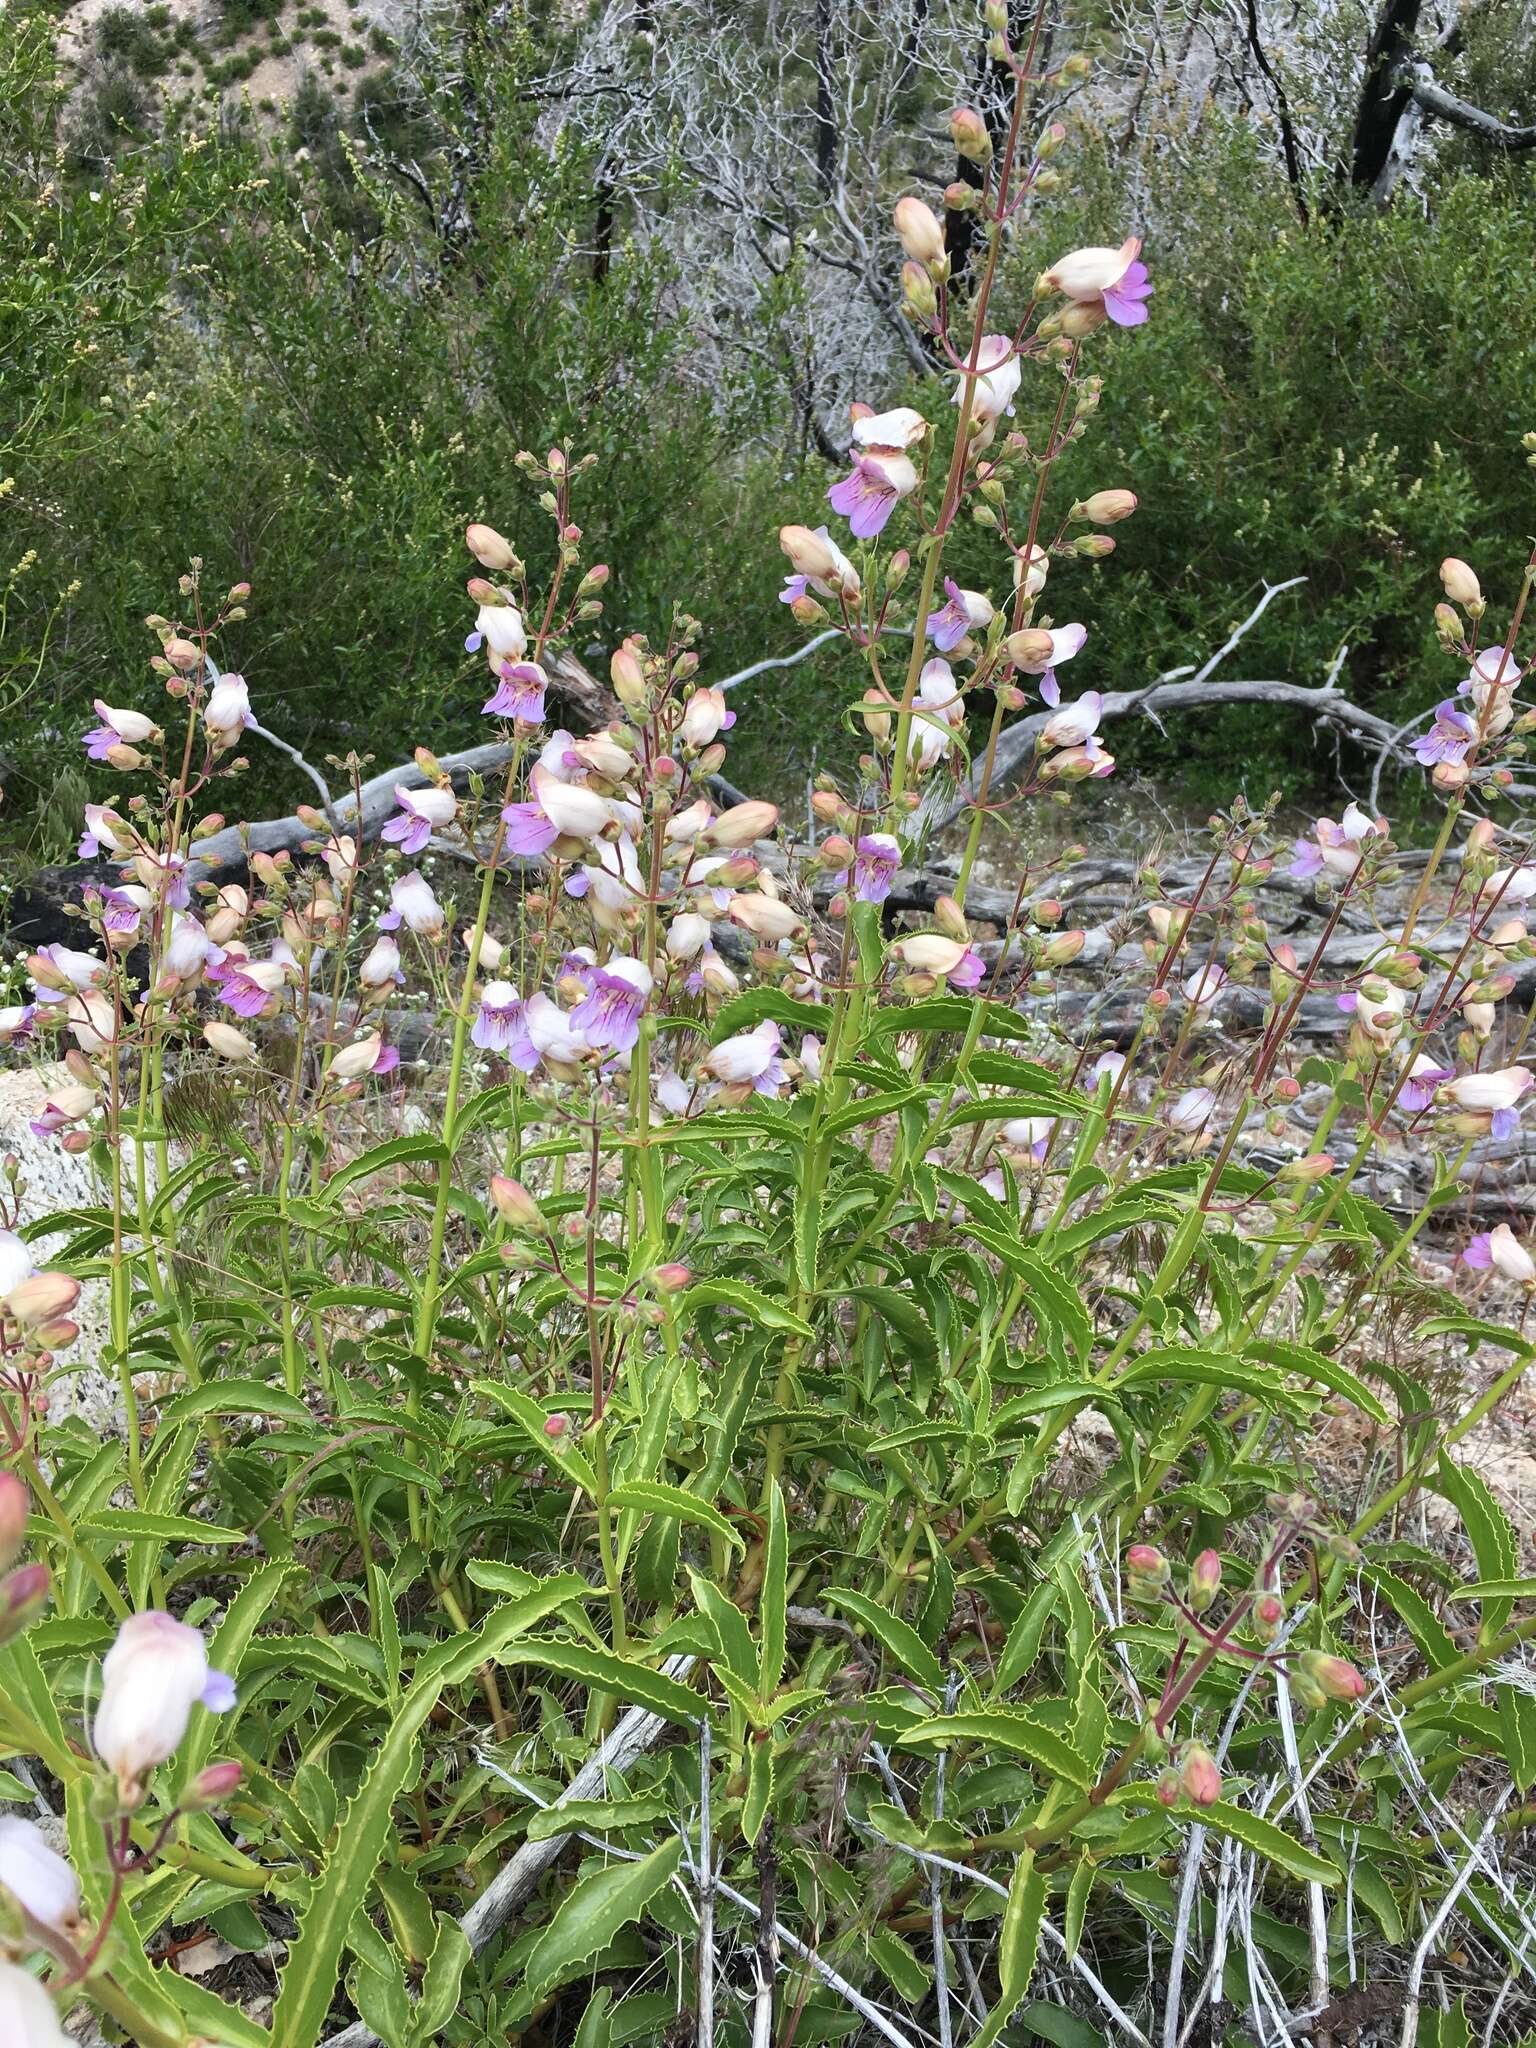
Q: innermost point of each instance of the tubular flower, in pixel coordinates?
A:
(751, 1056)
(1500, 1251)
(938, 713)
(227, 712)
(18, 1023)
(559, 1044)
(819, 564)
(1203, 987)
(421, 812)
(249, 987)
(28, 2017)
(556, 809)
(1193, 1110)
(105, 832)
(412, 904)
(967, 611)
(519, 692)
(1491, 685)
(154, 1674)
(1114, 280)
(37, 1875)
(876, 859)
(1039, 649)
(499, 628)
(1496, 1093)
(871, 491)
(609, 1014)
(1424, 1077)
(1448, 739)
(189, 951)
(1074, 725)
(381, 969)
(1336, 849)
(500, 1026)
(1031, 1134)
(118, 729)
(889, 433)
(997, 380)
(365, 1056)
(58, 972)
(951, 960)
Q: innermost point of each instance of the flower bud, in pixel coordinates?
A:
(810, 554)
(1168, 1790)
(1268, 1614)
(213, 1786)
(41, 1298)
(23, 1596)
(671, 1278)
(1204, 1580)
(515, 1205)
(182, 654)
(1093, 547)
(1080, 318)
(765, 917)
(628, 674)
(1198, 1775)
(877, 720)
(742, 825)
(490, 550)
(1335, 1677)
(918, 294)
(227, 1042)
(353, 1061)
(1147, 1572)
(1031, 649)
(950, 919)
(1105, 508)
(1461, 585)
(1448, 623)
(15, 1506)
(1306, 1172)
(919, 230)
(1063, 948)
(555, 1427)
(969, 134)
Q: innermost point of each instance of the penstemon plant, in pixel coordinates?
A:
(628, 1459)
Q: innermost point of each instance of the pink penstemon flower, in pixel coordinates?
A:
(609, 1013)
(519, 693)
(1499, 1250)
(872, 490)
(501, 1026)
(1113, 281)
(1336, 849)
(965, 612)
(422, 812)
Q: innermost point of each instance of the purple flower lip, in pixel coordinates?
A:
(529, 830)
(1125, 302)
(408, 831)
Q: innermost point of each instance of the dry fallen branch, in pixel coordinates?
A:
(518, 1879)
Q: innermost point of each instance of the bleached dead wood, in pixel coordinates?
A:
(518, 1879)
